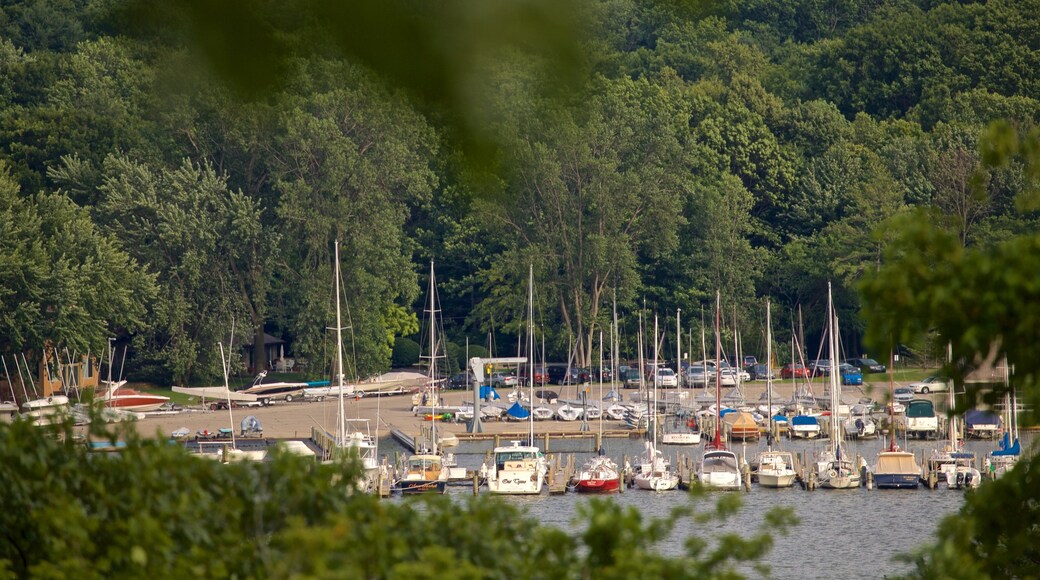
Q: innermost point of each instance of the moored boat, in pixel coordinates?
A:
(424, 473)
(598, 475)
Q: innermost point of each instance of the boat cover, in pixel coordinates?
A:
(518, 411)
(979, 417)
(804, 420)
(896, 463)
(1007, 448)
(488, 392)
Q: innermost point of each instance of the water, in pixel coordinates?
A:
(841, 534)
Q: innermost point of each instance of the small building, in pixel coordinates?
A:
(273, 358)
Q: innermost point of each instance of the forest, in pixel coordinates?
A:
(167, 175)
(173, 173)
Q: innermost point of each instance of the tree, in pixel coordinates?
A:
(63, 279)
(351, 158)
(182, 516)
(981, 300)
(588, 193)
(206, 244)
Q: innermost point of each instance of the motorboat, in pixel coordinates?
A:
(804, 427)
(979, 424)
(516, 470)
(921, 420)
(424, 473)
(742, 426)
(118, 396)
(895, 469)
(776, 469)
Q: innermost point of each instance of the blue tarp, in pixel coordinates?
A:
(487, 392)
(725, 412)
(804, 420)
(1007, 448)
(979, 417)
(780, 418)
(518, 411)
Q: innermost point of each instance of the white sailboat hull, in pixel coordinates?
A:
(681, 438)
(657, 482)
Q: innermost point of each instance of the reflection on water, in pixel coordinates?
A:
(841, 534)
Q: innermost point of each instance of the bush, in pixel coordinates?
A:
(405, 354)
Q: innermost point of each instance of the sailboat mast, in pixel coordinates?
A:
(952, 401)
(832, 375)
(892, 403)
(769, 373)
(433, 362)
(601, 383)
(718, 369)
(339, 357)
(678, 349)
(530, 348)
(657, 379)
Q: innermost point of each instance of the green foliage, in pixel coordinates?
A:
(201, 240)
(63, 279)
(154, 510)
(980, 300)
(405, 354)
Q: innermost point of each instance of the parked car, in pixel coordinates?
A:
(903, 394)
(794, 370)
(459, 381)
(541, 375)
(932, 384)
(666, 378)
(562, 375)
(608, 375)
(850, 375)
(728, 369)
(501, 379)
(696, 376)
(867, 365)
(750, 361)
(760, 371)
(558, 373)
(632, 379)
(820, 368)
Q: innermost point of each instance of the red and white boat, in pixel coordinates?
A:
(599, 475)
(120, 397)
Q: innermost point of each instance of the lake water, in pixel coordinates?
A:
(841, 534)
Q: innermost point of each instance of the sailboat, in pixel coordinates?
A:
(894, 468)
(426, 470)
(1002, 460)
(520, 469)
(681, 430)
(655, 472)
(352, 436)
(599, 474)
(834, 468)
(775, 467)
(719, 468)
(950, 464)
